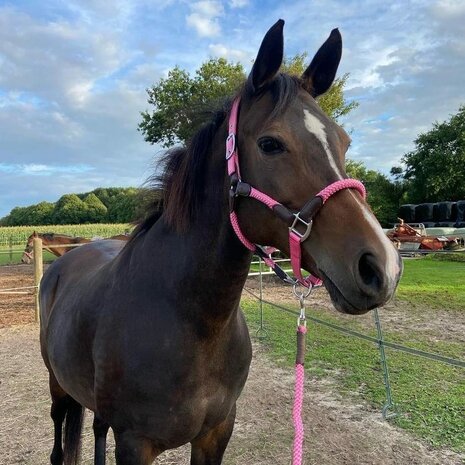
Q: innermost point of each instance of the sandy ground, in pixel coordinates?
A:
(337, 431)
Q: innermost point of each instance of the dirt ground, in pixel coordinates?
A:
(337, 432)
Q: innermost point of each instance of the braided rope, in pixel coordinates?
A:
(297, 452)
(330, 190)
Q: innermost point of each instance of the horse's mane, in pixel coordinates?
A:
(182, 180)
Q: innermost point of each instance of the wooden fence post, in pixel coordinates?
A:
(38, 272)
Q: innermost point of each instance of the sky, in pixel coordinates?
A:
(74, 74)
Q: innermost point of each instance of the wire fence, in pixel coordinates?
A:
(259, 270)
(379, 340)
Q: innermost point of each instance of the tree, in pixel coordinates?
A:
(435, 170)
(69, 209)
(182, 103)
(332, 102)
(96, 211)
(179, 100)
(122, 206)
(383, 195)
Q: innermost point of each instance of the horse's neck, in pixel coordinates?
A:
(207, 262)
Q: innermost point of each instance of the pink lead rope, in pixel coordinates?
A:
(297, 452)
(300, 226)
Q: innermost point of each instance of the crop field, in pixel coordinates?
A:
(17, 235)
(13, 239)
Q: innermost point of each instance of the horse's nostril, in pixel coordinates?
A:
(371, 277)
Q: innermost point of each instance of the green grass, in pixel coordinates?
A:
(429, 396)
(434, 282)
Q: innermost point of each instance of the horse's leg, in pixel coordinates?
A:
(60, 402)
(133, 450)
(100, 435)
(209, 449)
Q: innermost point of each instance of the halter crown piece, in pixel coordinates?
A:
(299, 224)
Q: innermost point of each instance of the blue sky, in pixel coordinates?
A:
(73, 77)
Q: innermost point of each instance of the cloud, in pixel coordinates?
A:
(73, 77)
(36, 169)
(238, 3)
(231, 54)
(204, 18)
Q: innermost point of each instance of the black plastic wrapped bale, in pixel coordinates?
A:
(461, 211)
(444, 224)
(436, 212)
(446, 211)
(407, 213)
(424, 213)
(429, 224)
(459, 224)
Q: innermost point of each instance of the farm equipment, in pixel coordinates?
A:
(413, 237)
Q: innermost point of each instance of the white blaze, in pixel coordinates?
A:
(317, 128)
(392, 263)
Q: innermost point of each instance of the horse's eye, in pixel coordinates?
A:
(270, 146)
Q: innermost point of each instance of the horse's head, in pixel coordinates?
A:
(290, 150)
(28, 256)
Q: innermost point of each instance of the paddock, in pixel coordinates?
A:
(338, 431)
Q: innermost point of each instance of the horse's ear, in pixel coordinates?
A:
(321, 72)
(34, 234)
(269, 58)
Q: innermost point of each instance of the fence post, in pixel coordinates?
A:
(10, 243)
(261, 331)
(384, 365)
(38, 272)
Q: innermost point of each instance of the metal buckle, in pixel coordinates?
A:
(308, 227)
(230, 145)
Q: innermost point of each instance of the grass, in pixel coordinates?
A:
(13, 256)
(434, 281)
(429, 396)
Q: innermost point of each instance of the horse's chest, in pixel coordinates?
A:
(180, 394)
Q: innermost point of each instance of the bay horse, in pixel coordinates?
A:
(57, 244)
(52, 242)
(151, 337)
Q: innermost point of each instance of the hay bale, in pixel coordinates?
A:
(461, 211)
(446, 211)
(424, 213)
(407, 213)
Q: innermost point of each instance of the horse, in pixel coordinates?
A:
(58, 244)
(52, 242)
(150, 337)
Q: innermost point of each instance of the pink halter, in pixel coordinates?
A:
(300, 223)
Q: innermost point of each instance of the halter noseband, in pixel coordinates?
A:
(300, 223)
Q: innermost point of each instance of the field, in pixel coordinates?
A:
(17, 235)
(344, 390)
(13, 239)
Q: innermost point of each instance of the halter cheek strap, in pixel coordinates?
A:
(299, 224)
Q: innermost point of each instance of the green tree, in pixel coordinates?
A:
(383, 195)
(333, 102)
(96, 211)
(435, 170)
(182, 103)
(69, 209)
(179, 100)
(122, 206)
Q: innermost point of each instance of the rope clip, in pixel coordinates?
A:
(301, 296)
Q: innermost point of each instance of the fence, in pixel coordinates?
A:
(38, 272)
(259, 270)
(379, 340)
